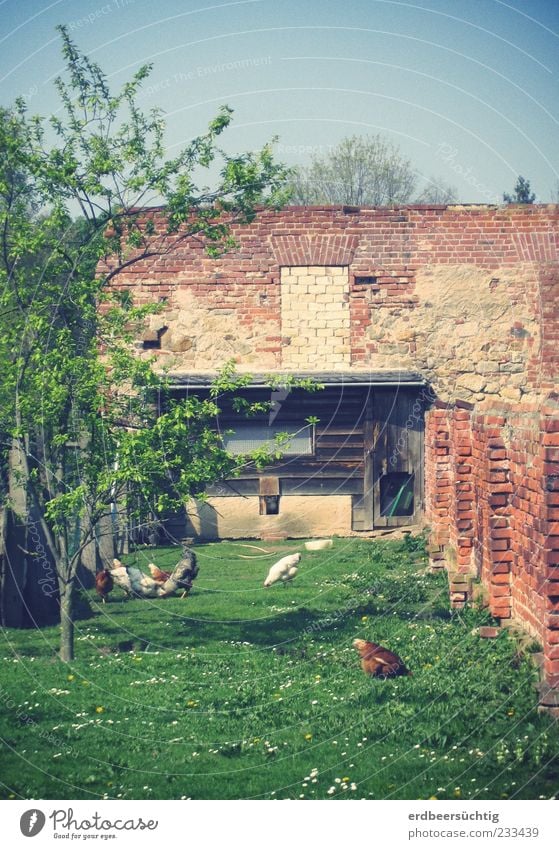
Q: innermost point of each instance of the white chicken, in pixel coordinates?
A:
(284, 570)
(133, 581)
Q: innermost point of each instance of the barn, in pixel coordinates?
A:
(432, 333)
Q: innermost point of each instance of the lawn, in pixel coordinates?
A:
(242, 692)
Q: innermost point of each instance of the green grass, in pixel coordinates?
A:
(243, 692)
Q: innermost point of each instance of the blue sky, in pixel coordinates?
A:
(468, 90)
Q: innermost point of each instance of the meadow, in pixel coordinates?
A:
(242, 692)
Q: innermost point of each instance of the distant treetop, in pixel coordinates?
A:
(364, 171)
(521, 192)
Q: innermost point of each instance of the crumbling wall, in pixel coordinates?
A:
(466, 295)
(454, 292)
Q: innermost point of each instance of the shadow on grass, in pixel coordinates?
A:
(280, 630)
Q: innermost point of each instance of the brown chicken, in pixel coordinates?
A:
(378, 661)
(157, 574)
(103, 584)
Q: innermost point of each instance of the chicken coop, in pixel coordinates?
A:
(353, 459)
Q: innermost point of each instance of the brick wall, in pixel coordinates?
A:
(492, 481)
(455, 293)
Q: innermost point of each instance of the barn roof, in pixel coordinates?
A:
(393, 378)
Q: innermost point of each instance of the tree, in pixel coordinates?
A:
(521, 192)
(79, 431)
(359, 171)
(364, 170)
(436, 191)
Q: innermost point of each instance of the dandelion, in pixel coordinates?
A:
(71, 677)
(308, 737)
(99, 709)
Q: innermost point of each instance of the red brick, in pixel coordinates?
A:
(499, 545)
(501, 578)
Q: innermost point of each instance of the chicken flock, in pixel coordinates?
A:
(136, 583)
(376, 660)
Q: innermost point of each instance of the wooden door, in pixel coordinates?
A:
(393, 434)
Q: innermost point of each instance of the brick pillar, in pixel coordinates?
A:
(550, 455)
(499, 490)
(462, 511)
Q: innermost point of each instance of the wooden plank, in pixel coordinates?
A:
(323, 486)
(340, 431)
(269, 485)
(291, 486)
(357, 513)
(369, 437)
(301, 469)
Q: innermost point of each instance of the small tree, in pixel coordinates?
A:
(521, 192)
(75, 412)
(365, 170)
(368, 170)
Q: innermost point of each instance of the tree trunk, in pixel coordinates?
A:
(67, 621)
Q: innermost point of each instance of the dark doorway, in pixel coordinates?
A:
(393, 437)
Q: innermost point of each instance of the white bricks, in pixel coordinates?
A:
(315, 316)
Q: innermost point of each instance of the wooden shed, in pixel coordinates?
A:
(357, 466)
